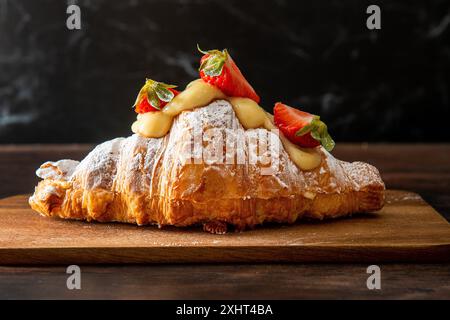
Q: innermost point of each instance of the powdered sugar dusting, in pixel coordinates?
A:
(155, 165)
(59, 170)
(362, 174)
(49, 190)
(137, 160)
(218, 114)
(98, 169)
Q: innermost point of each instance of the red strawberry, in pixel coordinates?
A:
(153, 96)
(218, 68)
(302, 128)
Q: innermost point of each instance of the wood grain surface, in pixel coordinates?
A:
(406, 229)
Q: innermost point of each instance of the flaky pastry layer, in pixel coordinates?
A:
(145, 181)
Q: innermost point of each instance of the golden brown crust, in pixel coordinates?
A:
(104, 206)
(142, 181)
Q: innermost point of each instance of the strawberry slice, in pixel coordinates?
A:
(218, 69)
(153, 96)
(302, 128)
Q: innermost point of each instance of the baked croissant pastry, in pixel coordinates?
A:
(210, 156)
(143, 180)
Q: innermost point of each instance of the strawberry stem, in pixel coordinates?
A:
(200, 50)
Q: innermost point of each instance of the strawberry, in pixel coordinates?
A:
(218, 68)
(302, 128)
(153, 96)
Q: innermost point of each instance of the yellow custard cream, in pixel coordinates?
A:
(198, 94)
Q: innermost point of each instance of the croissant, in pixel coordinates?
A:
(145, 181)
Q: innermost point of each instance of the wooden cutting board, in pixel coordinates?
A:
(407, 229)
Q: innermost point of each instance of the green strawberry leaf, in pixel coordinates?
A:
(200, 50)
(203, 64)
(319, 131)
(139, 97)
(152, 99)
(327, 142)
(167, 86)
(213, 64)
(304, 130)
(155, 92)
(163, 93)
(316, 135)
(309, 127)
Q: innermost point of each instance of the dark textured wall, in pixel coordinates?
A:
(392, 84)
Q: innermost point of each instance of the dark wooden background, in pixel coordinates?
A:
(422, 168)
(65, 86)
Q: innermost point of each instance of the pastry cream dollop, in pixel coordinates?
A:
(198, 94)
